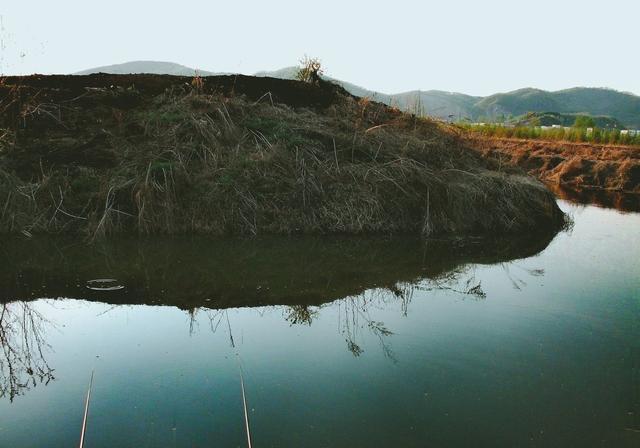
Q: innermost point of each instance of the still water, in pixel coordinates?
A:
(341, 342)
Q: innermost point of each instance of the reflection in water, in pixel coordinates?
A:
(626, 202)
(213, 275)
(355, 312)
(300, 314)
(354, 316)
(450, 281)
(22, 361)
(197, 272)
(104, 284)
(374, 342)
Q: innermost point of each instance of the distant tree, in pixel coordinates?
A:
(535, 121)
(310, 70)
(584, 121)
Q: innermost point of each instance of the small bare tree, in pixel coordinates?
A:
(310, 70)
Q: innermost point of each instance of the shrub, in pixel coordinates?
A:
(310, 70)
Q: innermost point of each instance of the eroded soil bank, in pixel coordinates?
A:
(104, 154)
(575, 165)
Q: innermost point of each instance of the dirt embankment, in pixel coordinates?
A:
(575, 165)
(103, 154)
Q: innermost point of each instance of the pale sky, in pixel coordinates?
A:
(475, 47)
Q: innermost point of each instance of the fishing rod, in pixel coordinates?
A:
(244, 405)
(86, 412)
(244, 396)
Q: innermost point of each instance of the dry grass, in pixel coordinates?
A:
(189, 161)
(579, 165)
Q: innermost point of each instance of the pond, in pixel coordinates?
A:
(340, 342)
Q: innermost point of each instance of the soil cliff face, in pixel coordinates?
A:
(576, 165)
(103, 154)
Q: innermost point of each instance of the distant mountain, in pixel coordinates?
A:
(598, 102)
(283, 73)
(610, 106)
(153, 67)
(624, 107)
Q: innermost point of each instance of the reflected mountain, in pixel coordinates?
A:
(198, 272)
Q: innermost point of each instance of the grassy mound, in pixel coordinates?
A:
(100, 154)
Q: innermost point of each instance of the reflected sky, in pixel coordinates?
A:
(544, 353)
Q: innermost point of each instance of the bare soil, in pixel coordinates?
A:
(577, 165)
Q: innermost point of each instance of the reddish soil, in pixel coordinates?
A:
(582, 166)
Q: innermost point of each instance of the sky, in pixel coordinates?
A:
(474, 47)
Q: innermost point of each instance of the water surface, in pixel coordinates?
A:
(342, 342)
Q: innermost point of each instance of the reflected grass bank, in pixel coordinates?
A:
(201, 272)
